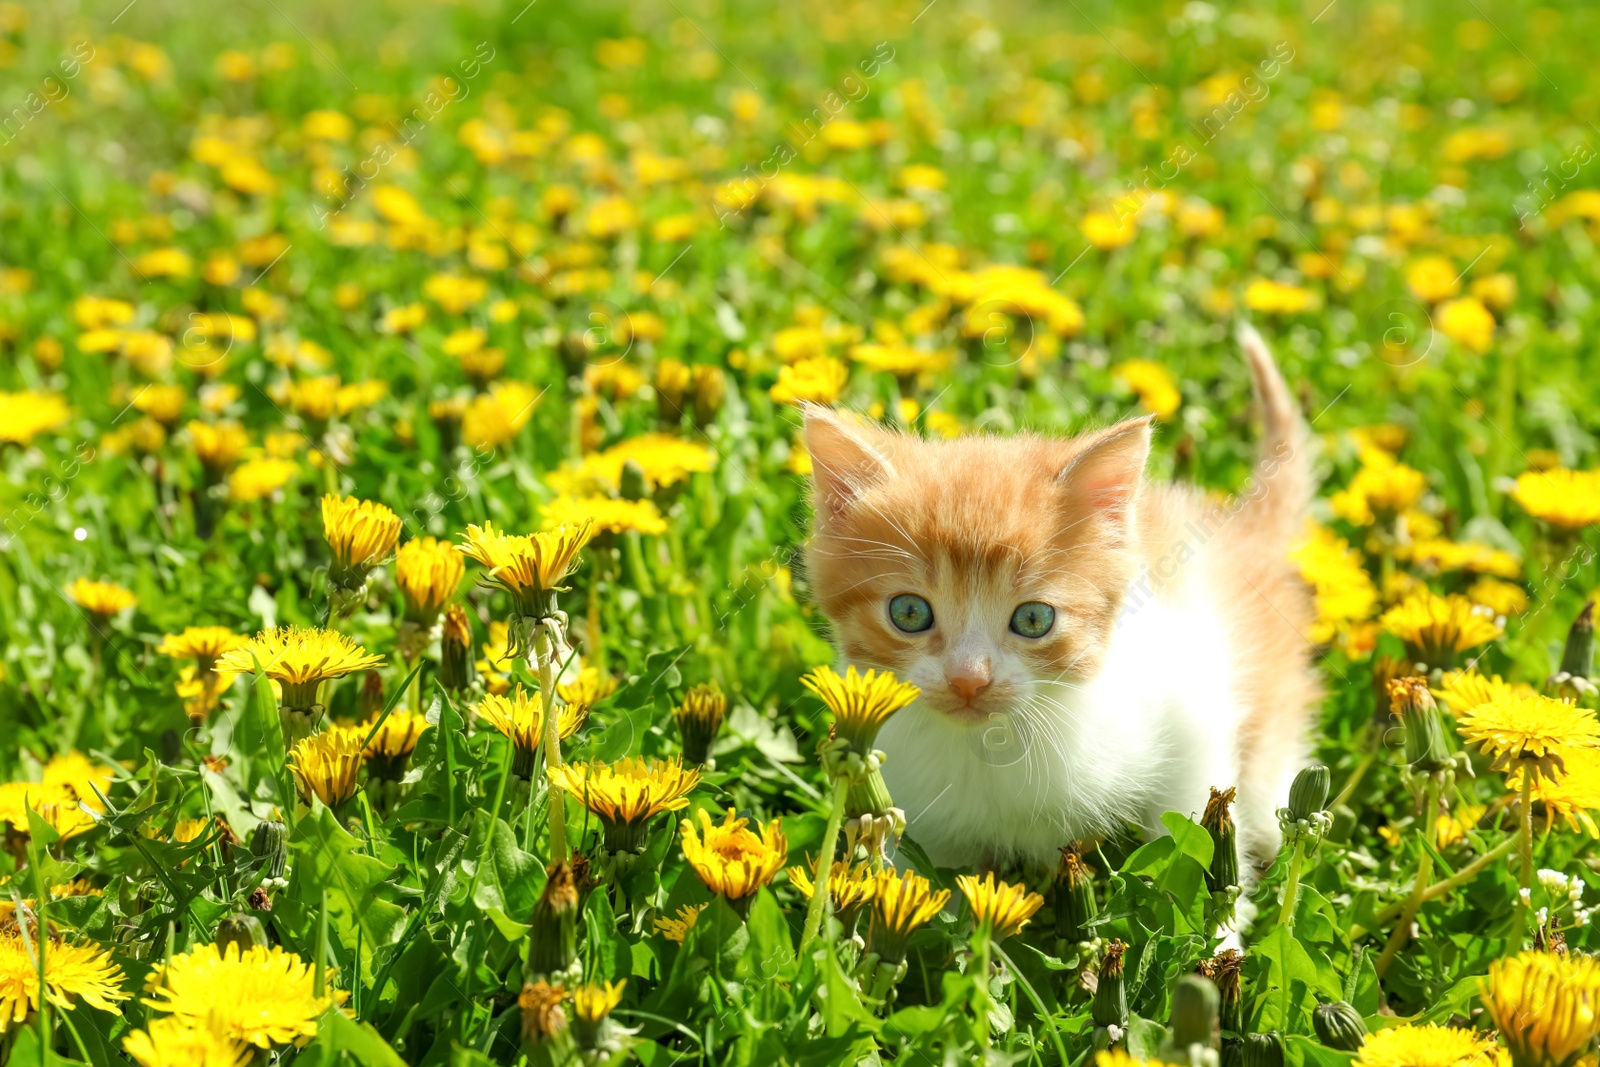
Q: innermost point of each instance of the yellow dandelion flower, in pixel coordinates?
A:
(1153, 384)
(26, 415)
(520, 717)
(1426, 1046)
(605, 514)
(732, 860)
(594, 1001)
(530, 567)
(902, 902)
(699, 718)
(1383, 487)
(676, 929)
(819, 380)
(328, 765)
(1107, 230)
(1436, 628)
(300, 659)
(392, 745)
(664, 461)
(58, 806)
(627, 794)
(101, 599)
(259, 478)
(1546, 1007)
(999, 909)
(171, 1041)
(361, 534)
(590, 687)
(71, 973)
(1433, 278)
(1275, 298)
(1527, 729)
(203, 644)
(1467, 322)
(1502, 598)
(429, 572)
(218, 445)
(861, 703)
(494, 419)
(1342, 587)
(850, 886)
(901, 360)
(1559, 496)
(260, 997)
(1438, 555)
(1466, 690)
(1574, 795)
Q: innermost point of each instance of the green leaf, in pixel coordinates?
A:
(324, 854)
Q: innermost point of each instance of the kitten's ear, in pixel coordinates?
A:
(1105, 469)
(845, 460)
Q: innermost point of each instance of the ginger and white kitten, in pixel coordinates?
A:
(1092, 650)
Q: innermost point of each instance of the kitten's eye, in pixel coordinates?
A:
(1033, 619)
(910, 613)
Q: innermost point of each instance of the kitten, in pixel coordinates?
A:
(1092, 650)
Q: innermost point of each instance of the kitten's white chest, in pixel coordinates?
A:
(1152, 732)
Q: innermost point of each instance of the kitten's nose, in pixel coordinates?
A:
(968, 682)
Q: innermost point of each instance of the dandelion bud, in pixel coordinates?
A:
(1339, 1026)
(1412, 703)
(699, 718)
(631, 483)
(1308, 795)
(553, 930)
(1218, 822)
(269, 844)
(1110, 1006)
(710, 392)
(672, 382)
(1195, 1004)
(1260, 1050)
(447, 416)
(1577, 659)
(370, 700)
(1074, 897)
(455, 650)
(1224, 971)
(241, 930)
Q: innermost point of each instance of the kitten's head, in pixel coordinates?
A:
(980, 569)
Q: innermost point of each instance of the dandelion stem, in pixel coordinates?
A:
(545, 651)
(1291, 886)
(980, 977)
(830, 841)
(1419, 890)
(1440, 888)
(1525, 838)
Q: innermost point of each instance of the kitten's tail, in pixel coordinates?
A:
(1281, 489)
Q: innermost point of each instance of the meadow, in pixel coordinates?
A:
(405, 652)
